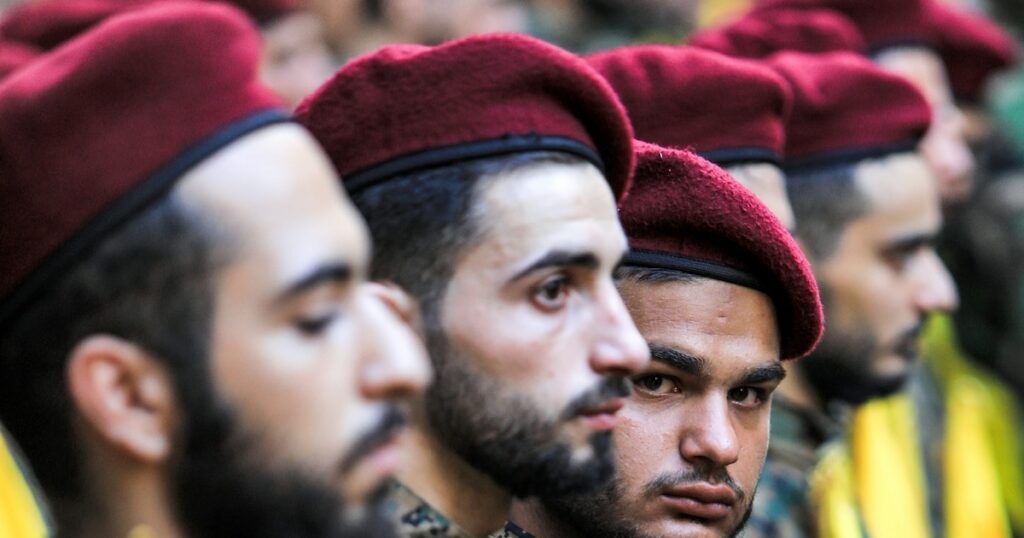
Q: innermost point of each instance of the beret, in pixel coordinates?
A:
(726, 109)
(883, 24)
(48, 23)
(406, 108)
(973, 48)
(764, 31)
(94, 131)
(14, 55)
(45, 24)
(845, 109)
(687, 214)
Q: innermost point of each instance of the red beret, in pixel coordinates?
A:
(845, 108)
(882, 23)
(687, 214)
(47, 24)
(726, 109)
(972, 48)
(765, 31)
(97, 129)
(409, 107)
(14, 55)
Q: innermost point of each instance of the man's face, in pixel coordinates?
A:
(305, 358)
(880, 282)
(536, 342)
(768, 183)
(692, 441)
(944, 146)
(296, 60)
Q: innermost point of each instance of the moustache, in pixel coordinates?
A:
(715, 476)
(389, 425)
(609, 389)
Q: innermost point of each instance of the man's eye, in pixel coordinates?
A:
(316, 325)
(657, 384)
(748, 396)
(552, 293)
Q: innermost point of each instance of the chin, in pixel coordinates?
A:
(684, 528)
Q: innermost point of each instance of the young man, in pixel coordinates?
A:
(188, 345)
(902, 36)
(682, 97)
(721, 293)
(867, 210)
(488, 170)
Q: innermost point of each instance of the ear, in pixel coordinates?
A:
(125, 395)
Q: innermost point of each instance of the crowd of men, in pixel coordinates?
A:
(763, 282)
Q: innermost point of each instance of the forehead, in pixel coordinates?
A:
(902, 194)
(921, 66)
(728, 325)
(549, 205)
(279, 200)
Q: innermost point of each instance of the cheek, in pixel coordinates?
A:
(301, 396)
(752, 433)
(646, 444)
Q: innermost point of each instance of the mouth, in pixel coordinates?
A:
(603, 416)
(374, 458)
(703, 501)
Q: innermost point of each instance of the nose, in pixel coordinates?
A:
(619, 349)
(395, 363)
(709, 438)
(934, 289)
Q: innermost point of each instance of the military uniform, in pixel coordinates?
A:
(416, 518)
(781, 506)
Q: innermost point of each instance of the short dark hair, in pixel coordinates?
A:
(151, 283)
(423, 221)
(824, 202)
(652, 275)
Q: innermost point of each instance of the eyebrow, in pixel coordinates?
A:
(698, 366)
(679, 360)
(560, 258)
(911, 242)
(763, 374)
(331, 273)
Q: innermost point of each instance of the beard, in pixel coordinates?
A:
(220, 489)
(506, 437)
(606, 512)
(840, 368)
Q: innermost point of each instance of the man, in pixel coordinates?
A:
(721, 293)
(867, 210)
(295, 59)
(188, 345)
(902, 36)
(488, 170)
(680, 97)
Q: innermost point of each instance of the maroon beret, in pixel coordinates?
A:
(882, 23)
(726, 109)
(687, 214)
(45, 24)
(973, 48)
(408, 107)
(14, 55)
(845, 108)
(267, 11)
(96, 130)
(765, 31)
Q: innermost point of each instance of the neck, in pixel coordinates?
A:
(798, 392)
(453, 487)
(532, 516)
(122, 497)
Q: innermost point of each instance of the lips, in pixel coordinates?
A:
(701, 501)
(603, 416)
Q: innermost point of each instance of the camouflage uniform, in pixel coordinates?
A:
(781, 505)
(415, 518)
